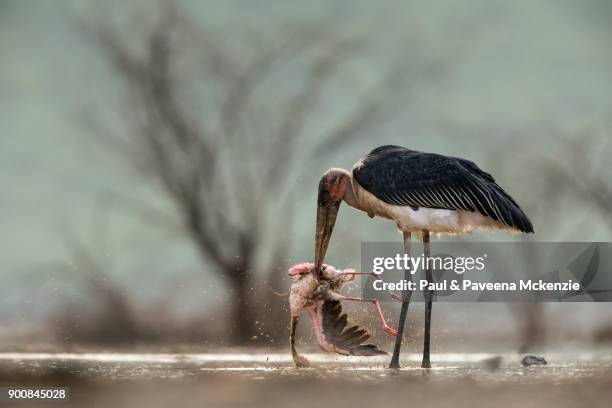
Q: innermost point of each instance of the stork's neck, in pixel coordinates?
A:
(349, 194)
(345, 187)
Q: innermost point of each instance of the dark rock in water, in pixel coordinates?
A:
(533, 360)
(493, 363)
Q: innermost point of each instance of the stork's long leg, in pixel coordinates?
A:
(404, 311)
(428, 302)
(381, 317)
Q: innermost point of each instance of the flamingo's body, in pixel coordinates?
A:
(422, 193)
(319, 296)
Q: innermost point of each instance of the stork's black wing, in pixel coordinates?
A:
(404, 177)
(347, 340)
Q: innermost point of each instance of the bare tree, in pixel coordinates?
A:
(222, 126)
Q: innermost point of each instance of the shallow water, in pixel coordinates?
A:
(265, 379)
(561, 366)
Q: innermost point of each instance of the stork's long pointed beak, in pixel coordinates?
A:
(327, 212)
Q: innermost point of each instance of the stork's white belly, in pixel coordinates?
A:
(440, 221)
(437, 221)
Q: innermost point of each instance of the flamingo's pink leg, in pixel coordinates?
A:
(376, 304)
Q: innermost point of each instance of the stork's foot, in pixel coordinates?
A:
(426, 364)
(390, 330)
(394, 364)
(300, 361)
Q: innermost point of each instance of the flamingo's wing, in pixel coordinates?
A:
(335, 334)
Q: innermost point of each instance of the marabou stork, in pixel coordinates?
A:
(422, 193)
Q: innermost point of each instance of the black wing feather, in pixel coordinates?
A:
(350, 339)
(404, 177)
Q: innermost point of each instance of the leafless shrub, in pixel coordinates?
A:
(223, 126)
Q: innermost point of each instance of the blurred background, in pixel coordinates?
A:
(159, 160)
